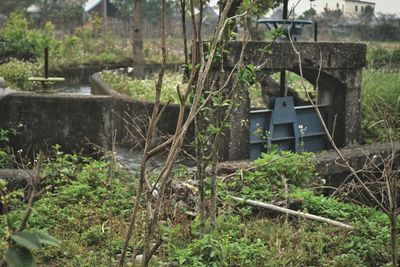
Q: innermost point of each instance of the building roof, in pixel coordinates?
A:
(90, 4)
(33, 9)
(360, 1)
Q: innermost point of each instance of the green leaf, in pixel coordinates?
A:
(3, 183)
(27, 240)
(47, 239)
(19, 257)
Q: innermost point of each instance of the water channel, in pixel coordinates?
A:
(127, 158)
(79, 89)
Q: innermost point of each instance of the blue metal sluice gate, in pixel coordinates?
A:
(287, 127)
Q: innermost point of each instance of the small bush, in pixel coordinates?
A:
(16, 73)
(273, 172)
(15, 40)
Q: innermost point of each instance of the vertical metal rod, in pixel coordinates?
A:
(315, 31)
(285, 9)
(46, 62)
(104, 15)
(282, 91)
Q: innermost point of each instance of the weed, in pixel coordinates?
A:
(16, 73)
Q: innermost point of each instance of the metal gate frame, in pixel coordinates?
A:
(287, 127)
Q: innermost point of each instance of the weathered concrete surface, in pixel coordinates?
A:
(339, 68)
(328, 55)
(81, 123)
(74, 122)
(100, 87)
(332, 169)
(131, 116)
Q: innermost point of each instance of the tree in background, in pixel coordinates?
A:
(151, 10)
(308, 14)
(65, 14)
(259, 9)
(331, 16)
(368, 14)
(142, 10)
(137, 41)
(9, 6)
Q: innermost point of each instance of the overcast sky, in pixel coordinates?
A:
(383, 6)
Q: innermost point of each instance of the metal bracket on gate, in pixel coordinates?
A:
(287, 127)
(283, 124)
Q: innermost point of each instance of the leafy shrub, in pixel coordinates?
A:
(86, 46)
(78, 208)
(5, 155)
(16, 40)
(297, 168)
(16, 73)
(92, 236)
(273, 171)
(5, 158)
(46, 38)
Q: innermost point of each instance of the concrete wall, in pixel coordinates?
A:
(338, 67)
(129, 116)
(80, 124)
(77, 123)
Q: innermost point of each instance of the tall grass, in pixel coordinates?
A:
(380, 105)
(383, 55)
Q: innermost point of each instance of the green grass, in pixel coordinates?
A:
(144, 89)
(380, 105)
(16, 73)
(383, 55)
(88, 210)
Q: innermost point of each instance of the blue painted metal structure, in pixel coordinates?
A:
(294, 27)
(287, 127)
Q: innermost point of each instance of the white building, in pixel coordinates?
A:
(349, 8)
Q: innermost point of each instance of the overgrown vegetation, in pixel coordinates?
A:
(380, 105)
(87, 45)
(5, 157)
(16, 73)
(380, 97)
(144, 89)
(383, 55)
(86, 209)
(88, 203)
